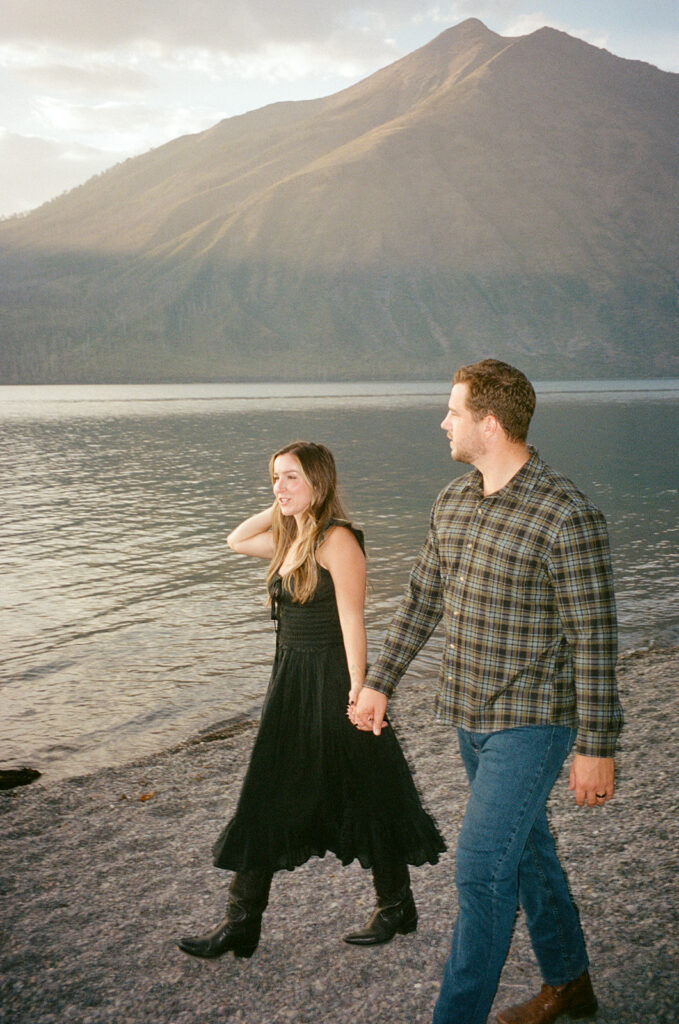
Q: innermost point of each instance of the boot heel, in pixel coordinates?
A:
(407, 927)
(583, 1012)
(398, 919)
(575, 999)
(243, 952)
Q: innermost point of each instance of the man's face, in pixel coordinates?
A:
(464, 432)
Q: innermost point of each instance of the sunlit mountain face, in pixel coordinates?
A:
(483, 195)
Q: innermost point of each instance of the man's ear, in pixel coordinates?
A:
(491, 425)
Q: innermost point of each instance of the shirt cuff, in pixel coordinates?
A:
(380, 681)
(595, 744)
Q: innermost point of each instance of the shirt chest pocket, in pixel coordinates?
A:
(517, 576)
(503, 561)
(454, 555)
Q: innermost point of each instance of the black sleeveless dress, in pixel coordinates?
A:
(315, 783)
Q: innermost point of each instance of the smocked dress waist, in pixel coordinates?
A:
(309, 626)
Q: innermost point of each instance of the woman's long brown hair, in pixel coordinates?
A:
(318, 469)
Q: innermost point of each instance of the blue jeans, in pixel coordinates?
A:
(506, 855)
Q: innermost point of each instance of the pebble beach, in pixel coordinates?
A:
(100, 874)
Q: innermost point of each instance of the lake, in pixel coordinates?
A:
(128, 626)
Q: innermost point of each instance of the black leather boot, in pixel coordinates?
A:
(395, 911)
(240, 929)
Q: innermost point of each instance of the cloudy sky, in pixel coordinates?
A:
(85, 84)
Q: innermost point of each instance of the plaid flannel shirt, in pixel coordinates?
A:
(523, 581)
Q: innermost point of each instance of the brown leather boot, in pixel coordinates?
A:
(576, 998)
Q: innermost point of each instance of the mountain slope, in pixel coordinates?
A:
(515, 196)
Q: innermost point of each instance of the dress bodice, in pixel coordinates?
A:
(312, 624)
(316, 622)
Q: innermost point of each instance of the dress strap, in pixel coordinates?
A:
(332, 521)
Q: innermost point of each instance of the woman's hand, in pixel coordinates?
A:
(351, 706)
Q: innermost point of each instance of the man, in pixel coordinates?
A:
(517, 564)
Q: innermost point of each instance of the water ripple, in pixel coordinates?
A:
(127, 626)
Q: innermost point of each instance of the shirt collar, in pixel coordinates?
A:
(520, 483)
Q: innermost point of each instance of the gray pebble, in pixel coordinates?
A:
(99, 876)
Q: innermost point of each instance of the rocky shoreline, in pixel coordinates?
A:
(99, 874)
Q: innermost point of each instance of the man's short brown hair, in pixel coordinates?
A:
(500, 390)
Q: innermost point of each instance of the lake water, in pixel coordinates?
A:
(128, 626)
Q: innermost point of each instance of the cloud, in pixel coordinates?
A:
(34, 168)
(80, 141)
(278, 62)
(112, 127)
(116, 51)
(236, 26)
(352, 33)
(69, 73)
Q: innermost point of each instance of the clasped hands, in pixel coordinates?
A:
(591, 779)
(366, 710)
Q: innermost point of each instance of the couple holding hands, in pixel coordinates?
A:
(516, 563)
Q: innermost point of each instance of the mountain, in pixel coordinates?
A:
(483, 195)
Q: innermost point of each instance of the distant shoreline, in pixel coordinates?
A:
(424, 386)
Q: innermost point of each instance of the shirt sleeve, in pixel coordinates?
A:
(582, 577)
(415, 620)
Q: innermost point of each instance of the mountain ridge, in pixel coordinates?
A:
(514, 195)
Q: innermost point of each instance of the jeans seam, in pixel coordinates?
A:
(570, 969)
(498, 880)
(502, 857)
(526, 803)
(552, 904)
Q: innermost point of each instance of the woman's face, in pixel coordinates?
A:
(291, 490)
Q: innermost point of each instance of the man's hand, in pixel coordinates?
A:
(370, 710)
(592, 779)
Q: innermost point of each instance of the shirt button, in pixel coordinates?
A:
(461, 579)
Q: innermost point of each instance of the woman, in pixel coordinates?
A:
(315, 783)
